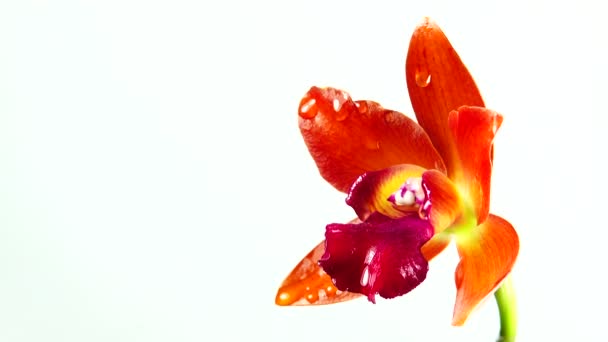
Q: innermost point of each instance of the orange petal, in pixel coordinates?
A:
(435, 245)
(438, 82)
(487, 254)
(446, 206)
(446, 209)
(308, 284)
(473, 129)
(371, 191)
(347, 138)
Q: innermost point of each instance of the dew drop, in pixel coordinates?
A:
(338, 98)
(308, 108)
(285, 298)
(361, 106)
(312, 297)
(331, 290)
(337, 105)
(423, 78)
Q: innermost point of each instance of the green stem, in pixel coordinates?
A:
(507, 308)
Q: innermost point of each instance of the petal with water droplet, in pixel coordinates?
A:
(362, 137)
(438, 82)
(308, 284)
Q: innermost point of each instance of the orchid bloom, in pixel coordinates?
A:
(415, 187)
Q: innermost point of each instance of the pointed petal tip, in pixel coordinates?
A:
(284, 298)
(438, 82)
(426, 23)
(308, 284)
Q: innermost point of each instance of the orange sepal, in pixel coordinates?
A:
(347, 138)
(308, 284)
(473, 130)
(487, 254)
(438, 82)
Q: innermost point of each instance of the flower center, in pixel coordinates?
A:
(411, 194)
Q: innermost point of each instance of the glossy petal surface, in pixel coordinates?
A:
(473, 129)
(309, 284)
(371, 191)
(438, 82)
(348, 138)
(487, 254)
(379, 256)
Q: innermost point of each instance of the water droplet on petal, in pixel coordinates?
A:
(308, 108)
(338, 102)
(361, 106)
(285, 298)
(423, 78)
(337, 105)
(331, 290)
(312, 296)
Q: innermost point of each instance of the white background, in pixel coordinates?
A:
(154, 185)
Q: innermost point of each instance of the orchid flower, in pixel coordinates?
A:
(415, 187)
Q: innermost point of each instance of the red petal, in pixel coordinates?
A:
(371, 191)
(309, 284)
(487, 254)
(473, 129)
(438, 82)
(379, 256)
(347, 138)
